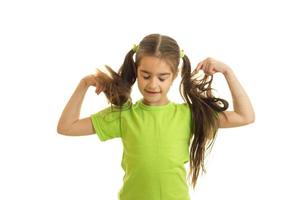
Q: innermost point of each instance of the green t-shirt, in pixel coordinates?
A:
(155, 148)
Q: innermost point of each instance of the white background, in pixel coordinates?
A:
(46, 47)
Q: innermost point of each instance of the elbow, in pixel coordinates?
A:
(250, 120)
(249, 117)
(61, 130)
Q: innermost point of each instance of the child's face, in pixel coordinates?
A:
(154, 75)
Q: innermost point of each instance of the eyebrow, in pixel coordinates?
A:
(151, 73)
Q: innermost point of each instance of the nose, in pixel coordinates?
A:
(152, 84)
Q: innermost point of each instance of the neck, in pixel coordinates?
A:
(155, 103)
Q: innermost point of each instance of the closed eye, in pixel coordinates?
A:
(147, 77)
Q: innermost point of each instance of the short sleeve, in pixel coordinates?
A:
(107, 124)
(187, 112)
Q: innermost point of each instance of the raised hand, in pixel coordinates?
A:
(211, 66)
(93, 80)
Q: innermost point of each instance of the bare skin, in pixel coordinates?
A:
(69, 122)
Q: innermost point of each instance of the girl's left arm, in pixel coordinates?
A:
(241, 102)
(243, 111)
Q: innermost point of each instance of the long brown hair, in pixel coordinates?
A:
(196, 93)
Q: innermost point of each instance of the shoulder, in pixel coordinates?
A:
(112, 111)
(182, 108)
(184, 113)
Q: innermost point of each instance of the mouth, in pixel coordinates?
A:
(151, 92)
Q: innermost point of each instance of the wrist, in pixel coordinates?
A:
(227, 71)
(83, 83)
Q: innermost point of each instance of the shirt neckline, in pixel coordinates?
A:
(148, 107)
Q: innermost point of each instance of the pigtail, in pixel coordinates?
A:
(205, 108)
(117, 86)
(128, 69)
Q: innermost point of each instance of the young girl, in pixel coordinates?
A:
(156, 133)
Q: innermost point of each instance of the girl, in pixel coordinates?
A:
(156, 133)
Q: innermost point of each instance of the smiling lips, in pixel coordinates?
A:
(151, 92)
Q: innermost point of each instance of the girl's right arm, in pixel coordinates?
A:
(69, 122)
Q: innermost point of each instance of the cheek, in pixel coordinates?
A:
(167, 85)
(141, 84)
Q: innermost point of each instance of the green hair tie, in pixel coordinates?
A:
(135, 47)
(181, 53)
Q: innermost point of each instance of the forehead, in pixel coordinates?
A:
(154, 65)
